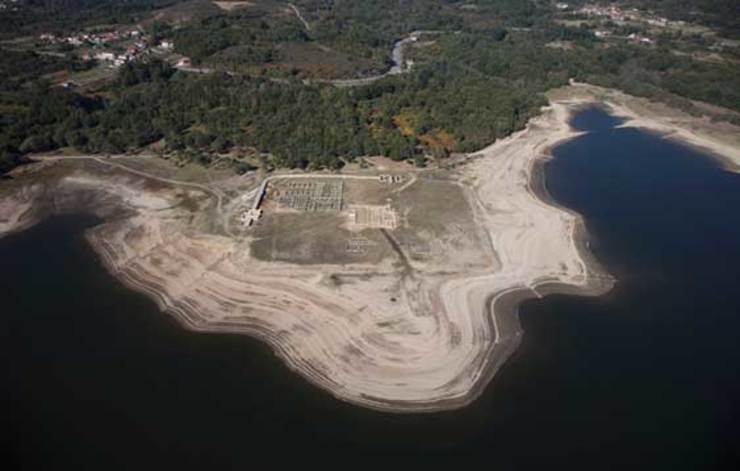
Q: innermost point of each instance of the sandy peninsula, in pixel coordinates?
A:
(418, 318)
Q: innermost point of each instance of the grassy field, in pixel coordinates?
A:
(439, 227)
(315, 61)
(315, 238)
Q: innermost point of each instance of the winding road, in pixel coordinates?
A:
(300, 17)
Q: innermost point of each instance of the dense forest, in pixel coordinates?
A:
(248, 36)
(437, 107)
(479, 77)
(649, 72)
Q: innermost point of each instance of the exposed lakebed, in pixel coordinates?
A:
(94, 373)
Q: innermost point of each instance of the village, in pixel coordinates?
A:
(102, 51)
(112, 48)
(609, 22)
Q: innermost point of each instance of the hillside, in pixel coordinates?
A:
(267, 82)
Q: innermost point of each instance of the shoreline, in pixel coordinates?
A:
(503, 308)
(727, 156)
(317, 333)
(719, 140)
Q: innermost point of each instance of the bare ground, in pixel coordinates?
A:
(388, 330)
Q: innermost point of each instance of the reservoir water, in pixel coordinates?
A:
(648, 376)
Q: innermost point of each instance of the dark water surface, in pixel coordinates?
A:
(648, 376)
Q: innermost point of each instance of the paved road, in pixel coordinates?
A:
(396, 56)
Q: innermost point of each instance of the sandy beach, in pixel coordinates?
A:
(397, 339)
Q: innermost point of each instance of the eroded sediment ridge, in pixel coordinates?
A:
(421, 342)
